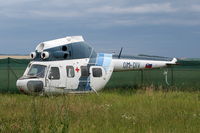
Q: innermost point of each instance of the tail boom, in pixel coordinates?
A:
(130, 64)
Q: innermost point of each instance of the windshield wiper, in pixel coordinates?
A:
(33, 76)
(29, 76)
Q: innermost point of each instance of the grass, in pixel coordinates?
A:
(110, 111)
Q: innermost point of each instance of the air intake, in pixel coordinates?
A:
(32, 55)
(45, 55)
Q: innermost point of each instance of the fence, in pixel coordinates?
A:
(10, 71)
(184, 76)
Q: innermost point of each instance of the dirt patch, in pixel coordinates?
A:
(14, 56)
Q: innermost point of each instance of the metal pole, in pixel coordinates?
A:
(142, 77)
(172, 76)
(8, 72)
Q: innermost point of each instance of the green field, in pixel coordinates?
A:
(110, 111)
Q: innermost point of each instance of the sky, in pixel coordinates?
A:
(154, 27)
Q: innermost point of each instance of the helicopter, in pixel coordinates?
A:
(70, 65)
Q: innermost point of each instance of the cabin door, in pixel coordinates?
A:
(72, 79)
(97, 77)
(54, 78)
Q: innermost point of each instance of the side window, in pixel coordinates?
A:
(70, 71)
(54, 73)
(84, 71)
(97, 72)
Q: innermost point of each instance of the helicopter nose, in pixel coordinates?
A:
(22, 85)
(29, 85)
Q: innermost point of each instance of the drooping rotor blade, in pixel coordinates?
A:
(120, 53)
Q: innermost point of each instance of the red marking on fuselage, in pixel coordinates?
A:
(148, 66)
(77, 69)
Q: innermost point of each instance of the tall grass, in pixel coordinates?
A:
(133, 111)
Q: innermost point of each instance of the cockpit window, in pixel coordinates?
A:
(37, 71)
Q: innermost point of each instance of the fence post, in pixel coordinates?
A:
(142, 77)
(172, 76)
(8, 73)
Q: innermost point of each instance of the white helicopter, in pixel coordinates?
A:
(70, 65)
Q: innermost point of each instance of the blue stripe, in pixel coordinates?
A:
(100, 59)
(104, 60)
(107, 60)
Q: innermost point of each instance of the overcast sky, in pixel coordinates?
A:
(155, 27)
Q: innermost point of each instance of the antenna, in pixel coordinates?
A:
(120, 53)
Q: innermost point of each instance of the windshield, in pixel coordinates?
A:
(37, 71)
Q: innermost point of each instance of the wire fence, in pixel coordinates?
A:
(185, 76)
(10, 70)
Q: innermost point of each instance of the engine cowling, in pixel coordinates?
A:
(61, 54)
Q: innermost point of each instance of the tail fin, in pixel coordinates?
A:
(173, 62)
